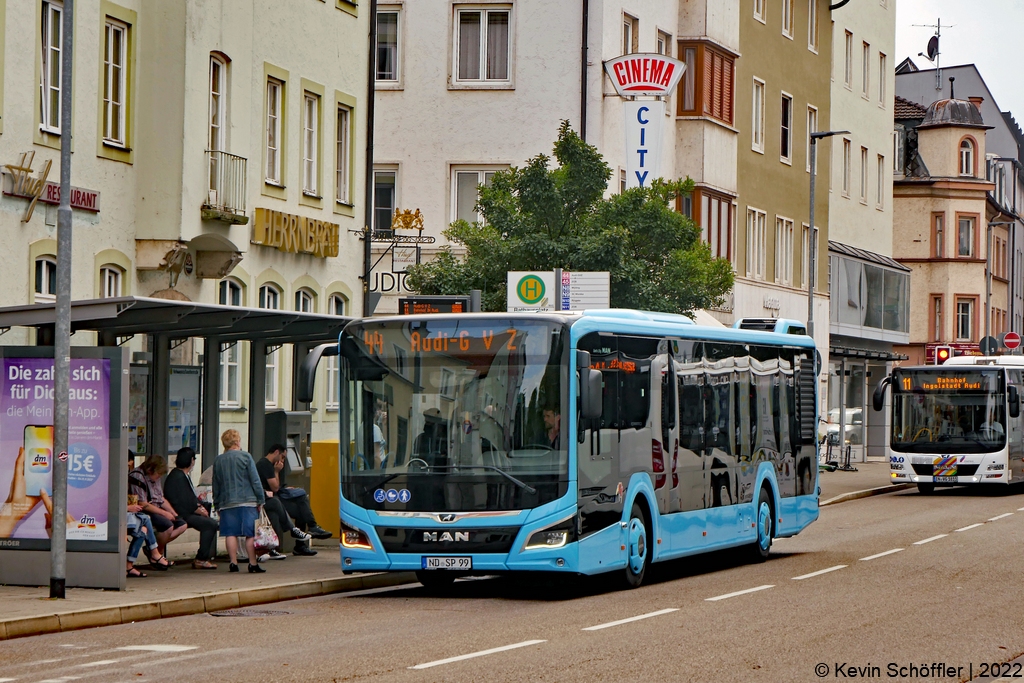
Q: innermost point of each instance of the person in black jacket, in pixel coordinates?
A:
(181, 494)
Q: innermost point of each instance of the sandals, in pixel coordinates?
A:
(134, 573)
(161, 565)
(203, 564)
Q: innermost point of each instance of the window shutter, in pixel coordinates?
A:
(717, 103)
(727, 98)
(709, 78)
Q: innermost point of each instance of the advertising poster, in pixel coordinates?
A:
(27, 453)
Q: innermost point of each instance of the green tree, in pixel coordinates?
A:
(540, 217)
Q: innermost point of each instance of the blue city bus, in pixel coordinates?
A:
(576, 443)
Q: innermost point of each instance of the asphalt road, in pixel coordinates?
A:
(893, 582)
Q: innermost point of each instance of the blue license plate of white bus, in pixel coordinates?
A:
(945, 480)
(460, 563)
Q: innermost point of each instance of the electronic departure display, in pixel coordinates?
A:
(947, 380)
(432, 304)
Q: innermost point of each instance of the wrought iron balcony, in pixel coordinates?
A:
(226, 198)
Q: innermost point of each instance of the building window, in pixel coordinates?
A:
(757, 124)
(881, 79)
(759, 10)
(310, 144)
(664, 44)
(936, 318)
(218, 82)
(864, 175)
(965, 319)
(50, 71)
(865, 69)
(965, 237)
(482, 52)
(812, 25)
(786, 132)
(466, 192)
(230, 294)
(114, 50)
(756, 251)
(880, 190)
(805, 262)
(270, 298)
(848, 68)
(847, 153)
(387, 46)
(938, 235)
(343, 156)
(899, 136)
(812, 127)
(383, 201)
(630, 34)
(46, 279)
(783, 251)
(707, 83)
(337, 305)
(110, 282)
(275, 90)
(966, 157)
(715, 220)
(787, 18)
(305, 301)
(622, 180)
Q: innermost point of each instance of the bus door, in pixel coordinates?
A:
(1014, 445)
(720, 436)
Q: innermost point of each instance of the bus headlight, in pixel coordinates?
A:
(554, 536)
(354, 538)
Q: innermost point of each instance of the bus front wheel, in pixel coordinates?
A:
(638, 552)
(765, 518)
(926, 487)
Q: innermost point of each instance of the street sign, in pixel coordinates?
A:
(989, 345)
(1011, 340)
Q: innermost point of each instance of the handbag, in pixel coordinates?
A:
(290, 493)
(265, 536)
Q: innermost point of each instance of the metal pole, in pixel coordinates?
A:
(812, 256)
(62, 328)
(368, 211)
(988, 281)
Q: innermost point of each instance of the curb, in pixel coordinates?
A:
(854, 495)
(198, 604)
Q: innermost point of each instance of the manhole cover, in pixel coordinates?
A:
(248, 613)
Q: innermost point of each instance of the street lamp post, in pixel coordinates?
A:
(812, 251)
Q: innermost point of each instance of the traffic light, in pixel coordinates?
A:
(942, 354)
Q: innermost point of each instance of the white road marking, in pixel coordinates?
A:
(1005, 514)
(929, 540)
(626, 621)
(62, 679)
(875, 557)
(158, 648)
(820, 572)
(482, 653)
(102, 662)
(743, 592)
(7, 680)
(971, 526)
(1020, 509)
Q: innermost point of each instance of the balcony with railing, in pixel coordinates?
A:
(226, 197)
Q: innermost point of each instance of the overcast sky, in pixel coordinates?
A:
(986, 33)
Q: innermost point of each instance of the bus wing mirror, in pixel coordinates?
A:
(878, 398)
(307, 371)
(1013, 398)
(590, 394)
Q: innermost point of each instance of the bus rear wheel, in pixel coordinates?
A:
(926, 488)
(765, 521)
(638, 552)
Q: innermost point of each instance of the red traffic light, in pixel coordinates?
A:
(942, 354)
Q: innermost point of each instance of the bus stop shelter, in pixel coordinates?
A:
(169, 322)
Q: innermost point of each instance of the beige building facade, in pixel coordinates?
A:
(219, 156)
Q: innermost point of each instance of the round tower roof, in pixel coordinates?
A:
(952, 113)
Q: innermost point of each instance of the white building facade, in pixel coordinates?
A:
(203, 133)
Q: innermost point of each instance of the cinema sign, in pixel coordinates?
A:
(644, 74)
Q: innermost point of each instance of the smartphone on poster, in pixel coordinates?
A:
(38, 459)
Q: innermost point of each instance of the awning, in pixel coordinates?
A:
(865, 255)
(865, 354)
(128, 315)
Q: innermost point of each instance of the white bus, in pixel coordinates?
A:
(957, 423)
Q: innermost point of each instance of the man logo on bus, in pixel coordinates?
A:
(530, 289)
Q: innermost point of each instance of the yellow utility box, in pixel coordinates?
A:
(325, 482)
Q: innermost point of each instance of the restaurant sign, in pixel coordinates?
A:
(19, 182)
(295, 234)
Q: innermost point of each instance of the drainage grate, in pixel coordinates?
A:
(248, 613)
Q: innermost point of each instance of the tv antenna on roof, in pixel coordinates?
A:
(933, 49)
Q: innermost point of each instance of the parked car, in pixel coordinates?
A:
(854, 424)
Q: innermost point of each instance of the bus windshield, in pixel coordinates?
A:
(452, 415)
(949, 410)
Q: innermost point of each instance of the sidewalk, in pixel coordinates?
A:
(182, 590)
(869, 475)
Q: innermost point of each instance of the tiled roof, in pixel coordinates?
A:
(905, 109)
